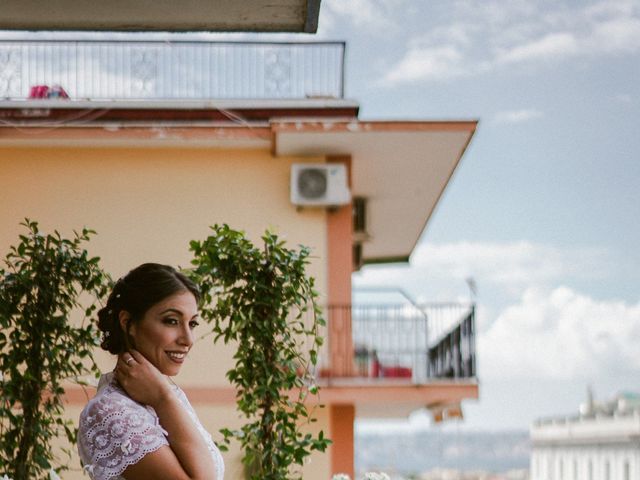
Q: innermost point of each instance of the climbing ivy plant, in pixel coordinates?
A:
(41, 284)
(261, 298)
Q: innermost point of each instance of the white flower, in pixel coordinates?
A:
(53, 475)
(5, 477)
(88, 380)
(376, 476)
(367, 476)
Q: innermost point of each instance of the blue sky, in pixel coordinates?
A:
(543, 209)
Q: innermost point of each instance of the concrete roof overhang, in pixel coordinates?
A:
(401, 168)
(162, 15)
(67, 112)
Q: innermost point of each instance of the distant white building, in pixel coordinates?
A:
(601, 443)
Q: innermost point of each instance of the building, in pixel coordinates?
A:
(159, 140)
(601, 443)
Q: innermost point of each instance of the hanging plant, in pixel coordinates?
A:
(40, 347)
(262, 299)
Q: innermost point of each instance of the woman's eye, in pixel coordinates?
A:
(193, 324)
(170, 321)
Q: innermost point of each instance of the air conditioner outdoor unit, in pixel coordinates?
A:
(322, 184)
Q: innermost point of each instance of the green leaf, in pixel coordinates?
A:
(43, 346)
(261, 297)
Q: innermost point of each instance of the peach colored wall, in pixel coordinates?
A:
(146, 204)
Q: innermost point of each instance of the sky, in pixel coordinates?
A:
(542, 211)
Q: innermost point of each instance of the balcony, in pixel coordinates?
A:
(173, 70)
(398, 344)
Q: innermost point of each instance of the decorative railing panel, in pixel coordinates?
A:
(131, 70)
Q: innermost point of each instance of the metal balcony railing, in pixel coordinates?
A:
(412, 343)
(156, 70)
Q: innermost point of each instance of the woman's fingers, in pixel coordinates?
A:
(141, 379)
(126, 359)
(137, 356)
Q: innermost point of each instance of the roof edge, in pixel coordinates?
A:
(313, 14)
(182, 104)
(307, 125)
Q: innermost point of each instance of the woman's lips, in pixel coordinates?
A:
(177, 357)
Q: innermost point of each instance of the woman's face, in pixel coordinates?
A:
(165, 334)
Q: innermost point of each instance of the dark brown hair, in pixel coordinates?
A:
(137, 292)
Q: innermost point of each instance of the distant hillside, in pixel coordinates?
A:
(412, 453)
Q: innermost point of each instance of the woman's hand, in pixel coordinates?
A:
(187, 456)
(141, 379)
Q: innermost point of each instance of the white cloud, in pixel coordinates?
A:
(561, 334)
(515, 264)
(535, 330)
(475, 37)
(517, 116)
(367, 14)
(619, 35)
(614, 30)
(428, 63)
(529, 324)
(551, 45)
(502, 271)
(608, 8)
(494, 13)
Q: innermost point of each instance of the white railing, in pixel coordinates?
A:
(134, 70)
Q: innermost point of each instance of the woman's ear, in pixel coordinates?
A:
(129, 333)
(124, 318)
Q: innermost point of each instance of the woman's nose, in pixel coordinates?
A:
(186, 336)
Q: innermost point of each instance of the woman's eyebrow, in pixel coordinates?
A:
(175, 310)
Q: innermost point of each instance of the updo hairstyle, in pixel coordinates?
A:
(136, 293)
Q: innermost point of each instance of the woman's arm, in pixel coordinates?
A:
(187, 457)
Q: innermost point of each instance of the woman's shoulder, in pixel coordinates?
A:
(111, 401)
(115, 431)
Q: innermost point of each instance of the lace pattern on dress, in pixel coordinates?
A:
(116, 432)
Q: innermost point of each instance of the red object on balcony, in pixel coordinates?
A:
(39, 91)
(379, 370)
(44, 91)
(396, 372)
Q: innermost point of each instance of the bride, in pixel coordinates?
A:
(140, 424)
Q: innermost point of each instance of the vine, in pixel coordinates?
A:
(40, 347)
(262, 299)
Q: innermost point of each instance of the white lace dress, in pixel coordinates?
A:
(115, 432)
